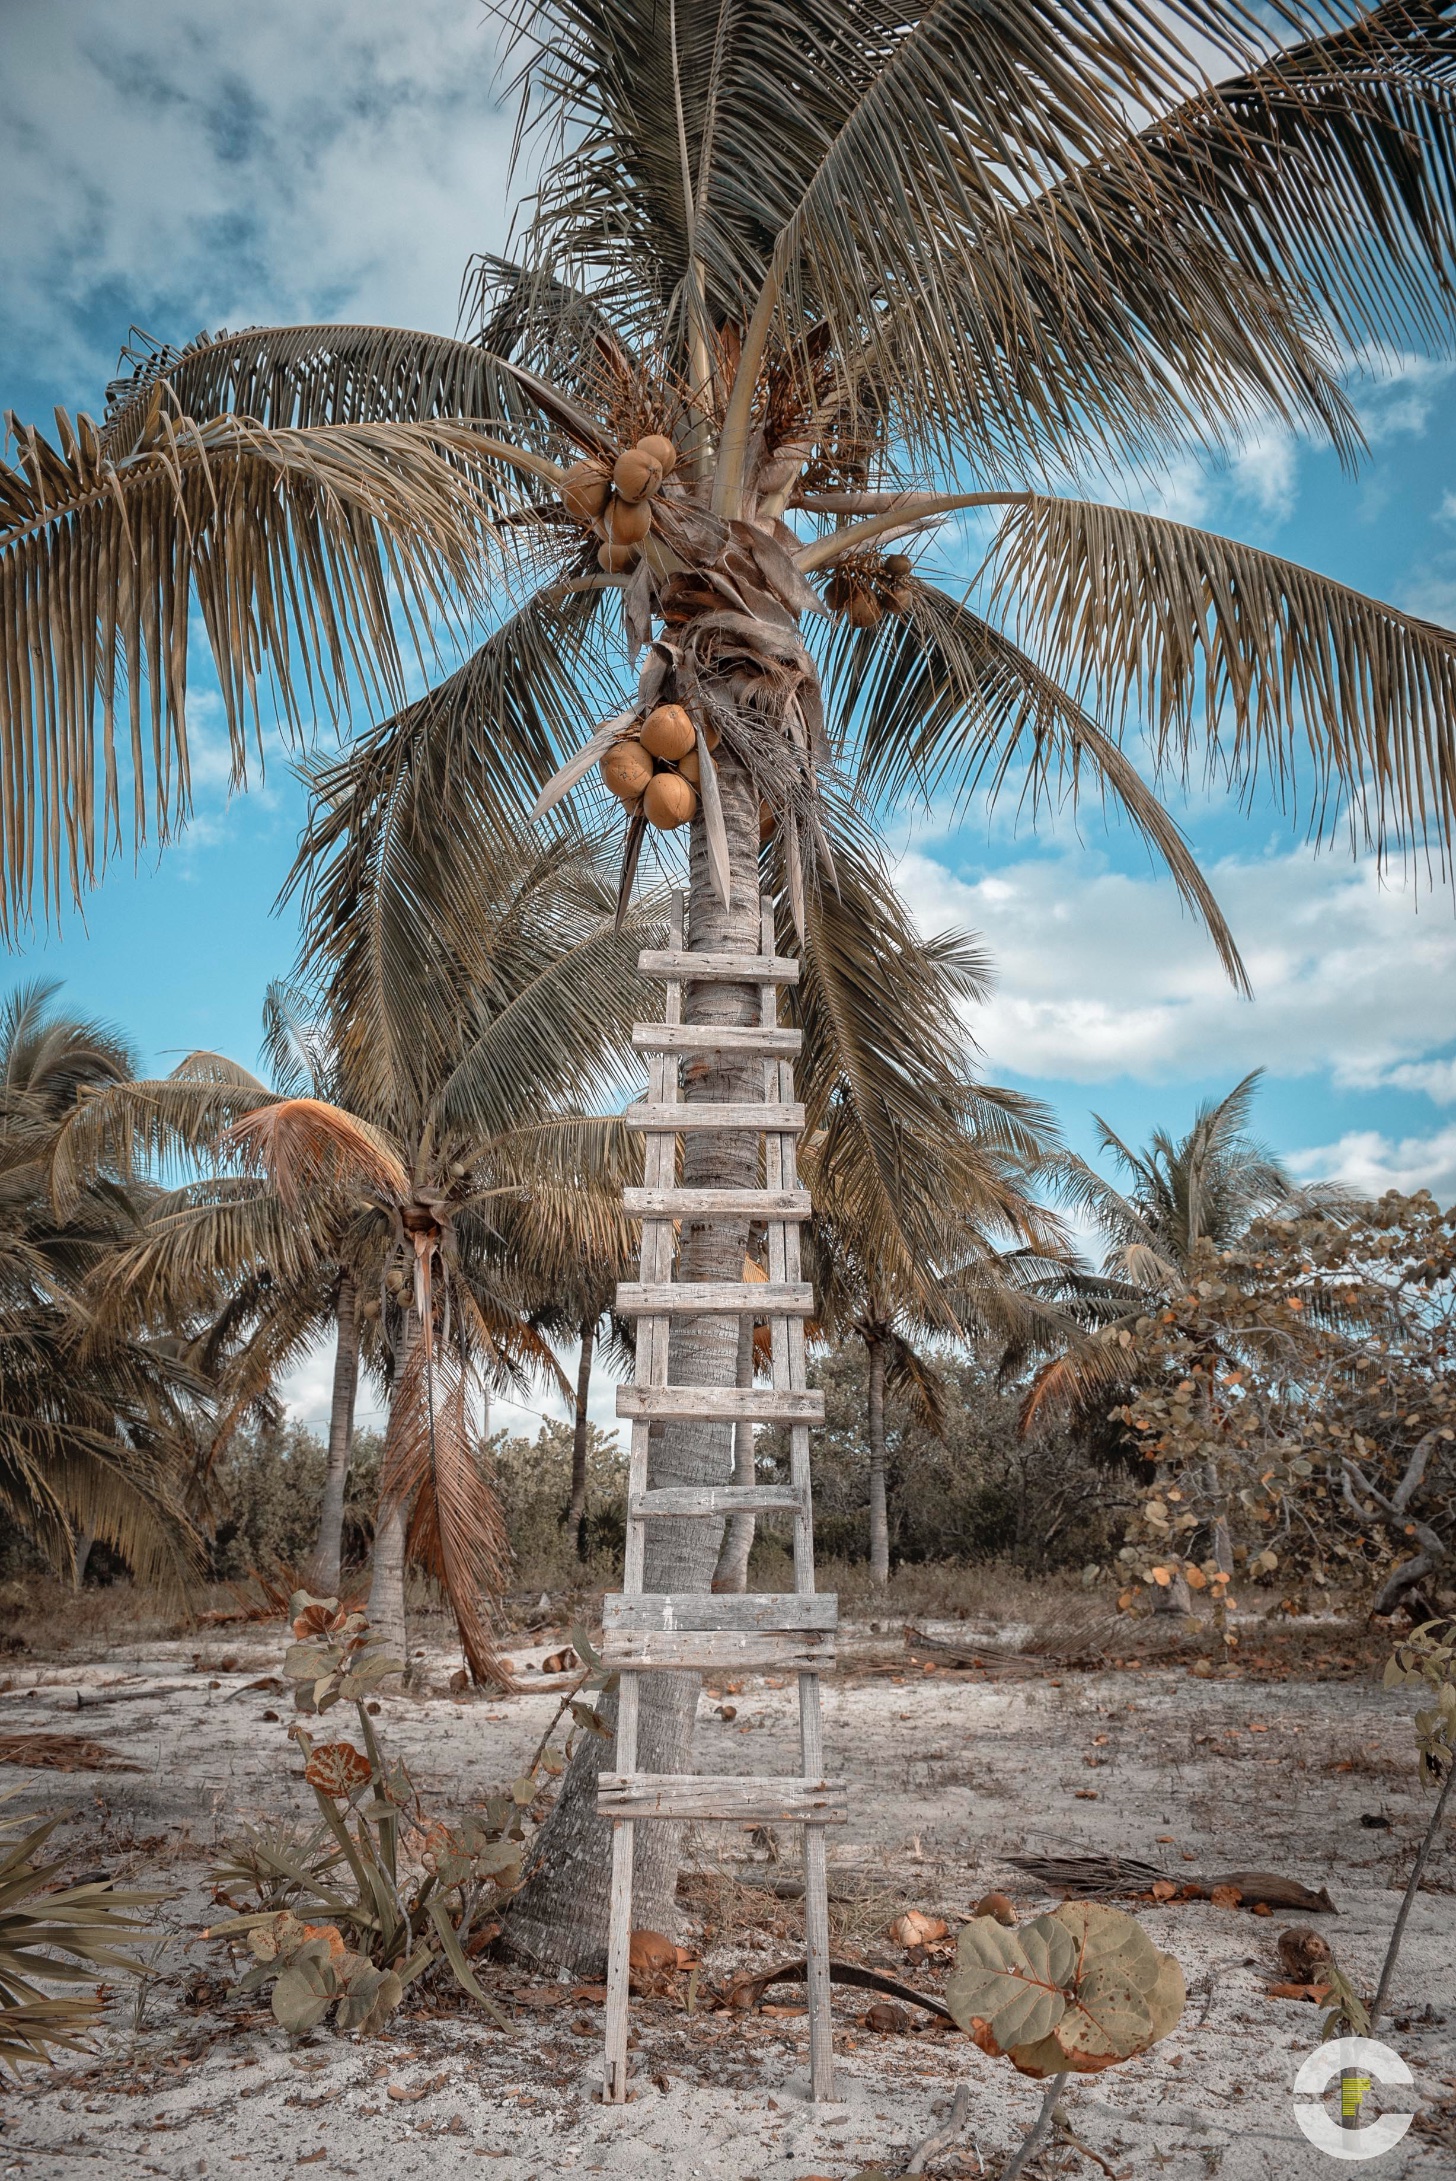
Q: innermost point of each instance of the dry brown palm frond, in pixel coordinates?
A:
(305, 1144)
(457, 1530)
(303, 550)
(1276, 659)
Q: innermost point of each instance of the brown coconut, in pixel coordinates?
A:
(690, 767)
(627, 522)
(584, 491)
(669, 801)
(616, 559)
(766, 820)
(660, 449)
(667, 732)
(864, 611)
(898, 566)
(637, 475)
(626, 770)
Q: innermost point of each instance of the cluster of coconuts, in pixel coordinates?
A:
(864, 600)
(655, 769)
(617, 503)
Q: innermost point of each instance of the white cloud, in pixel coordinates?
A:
(191, 163)
(1100, 975)
(1396, 394)
(1374, 1163)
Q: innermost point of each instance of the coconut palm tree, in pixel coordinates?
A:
(95, 1425)
(446, 1118)
(797, 283)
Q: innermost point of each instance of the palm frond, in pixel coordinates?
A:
(1294, 683)
(306, 1144)
(456, 1531)
(938, 701)
(305, 551)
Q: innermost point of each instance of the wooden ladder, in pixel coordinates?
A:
(715, 1633)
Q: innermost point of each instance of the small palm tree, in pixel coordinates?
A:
(96, 1426)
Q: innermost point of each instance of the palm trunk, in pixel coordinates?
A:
(391, 1525)
(879, 1513)
(560, 1916)
(325, 1568)
(575, 1516)
(731, 1573)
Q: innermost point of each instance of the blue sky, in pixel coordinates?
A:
(181, 164)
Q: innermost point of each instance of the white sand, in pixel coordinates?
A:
(946, 1776)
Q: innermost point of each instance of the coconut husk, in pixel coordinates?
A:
(1092, 1877)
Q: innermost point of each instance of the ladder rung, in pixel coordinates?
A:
(719, 968)
(675, 1120)
(714, 1499)
(719, 1650)
(707, 1037)
(724, 1404)
(764, 1204)
(715, 1298)
(688, 1795)
(776, 1611)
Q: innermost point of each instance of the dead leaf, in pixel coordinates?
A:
(1317, 1993)
(337, 1769)
(997, 1905)
(1163, 1889)
(1086, 1794)
(62, 1753)
(649, 1950)
(1226, 1897)
(916, 1929)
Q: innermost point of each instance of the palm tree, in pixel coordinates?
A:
(862, 268)
(1205, 1187)
(95, 1426)
(453, 1082)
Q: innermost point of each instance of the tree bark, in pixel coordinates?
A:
(391, 1524)
(325, 1568)
(879, 1512)
(731, 1573)
(575, 1517)
(560, 1915)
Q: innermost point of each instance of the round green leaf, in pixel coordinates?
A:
(1012, 1980)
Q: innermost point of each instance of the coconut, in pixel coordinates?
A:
(766, 821)
(637, 475)
(667, 732)
(864, 611)
(627, 522)
(898, 566)
(669, 800)
(584, 491)
(689, 766)
(711, 735)
(616, 559)
(626, 770)
(660, 449)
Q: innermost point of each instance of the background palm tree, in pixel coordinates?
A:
(96, 1425)
(864, 267)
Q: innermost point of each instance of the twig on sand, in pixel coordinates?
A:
(940, 2138)
(1036, 2134)
(1059, 2122)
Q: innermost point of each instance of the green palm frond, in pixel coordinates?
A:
(1267, 661)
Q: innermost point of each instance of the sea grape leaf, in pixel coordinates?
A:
(1109, 2020)
(1105, 1936)
(1013, 1981)
(302, 1996)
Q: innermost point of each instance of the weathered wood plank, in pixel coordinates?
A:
(714, 1298)
(721, 1404)
(714, 1609)
(665, 1120)
(764, 1204)
(748, 1800)
(719, 1650)
(691, 1500)
(675, 962)
(709, 1037)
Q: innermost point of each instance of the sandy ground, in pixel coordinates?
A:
(948, 1776)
